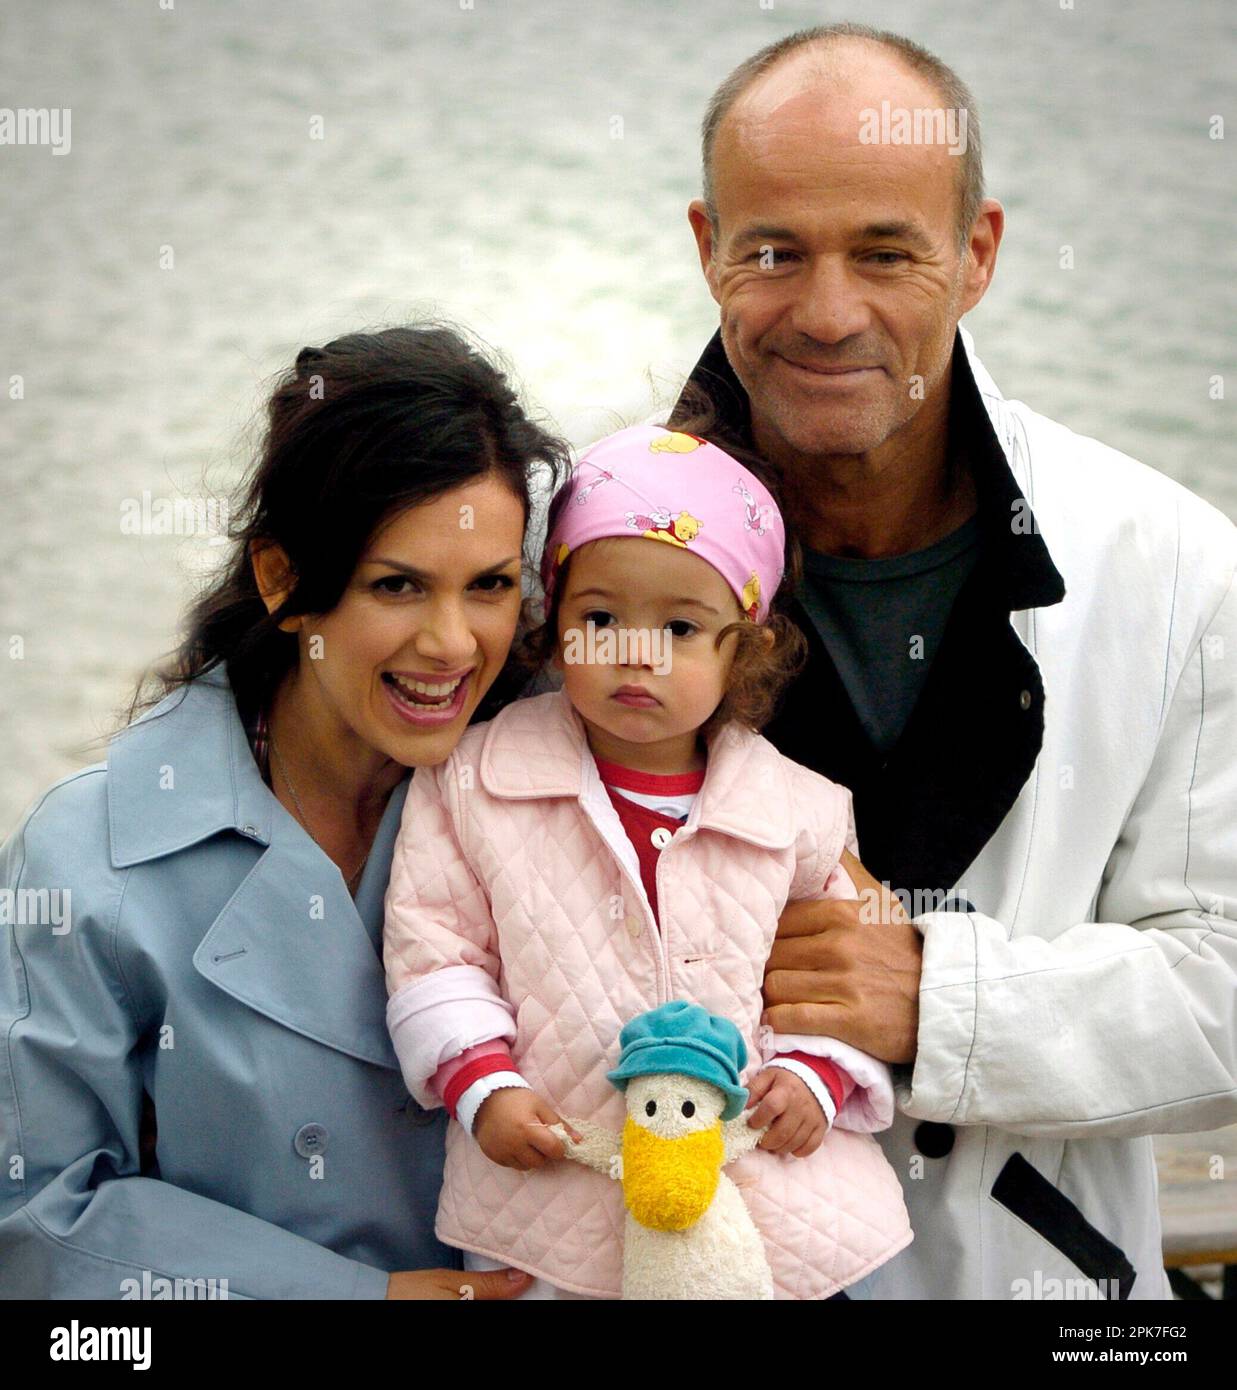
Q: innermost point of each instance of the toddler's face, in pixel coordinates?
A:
(643, 613)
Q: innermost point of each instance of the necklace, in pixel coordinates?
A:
(283, 772)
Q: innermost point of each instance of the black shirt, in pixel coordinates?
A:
(883, 620)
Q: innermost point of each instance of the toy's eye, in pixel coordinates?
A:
(651, 1108)
(688, 1109)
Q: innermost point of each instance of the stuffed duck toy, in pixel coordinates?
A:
(688, 1232)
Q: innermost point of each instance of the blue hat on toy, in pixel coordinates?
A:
(686, 1040)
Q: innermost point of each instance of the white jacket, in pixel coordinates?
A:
(1091, 999)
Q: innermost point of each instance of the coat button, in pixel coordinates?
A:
(418, 1115)
(661, 837)
(310, 1141)
(934, 1140)
(634, 925)
(1025, 699)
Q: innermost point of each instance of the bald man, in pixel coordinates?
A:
(1022, 657)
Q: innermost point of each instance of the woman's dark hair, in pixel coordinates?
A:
(761, 670)
(356, 431)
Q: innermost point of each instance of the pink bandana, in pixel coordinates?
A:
(672, 487)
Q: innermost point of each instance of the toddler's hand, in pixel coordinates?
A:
(512, 1127)
(783, 1101)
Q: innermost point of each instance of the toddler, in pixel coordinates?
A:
(628, 840)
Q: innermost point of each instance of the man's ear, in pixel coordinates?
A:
(980, 265)
(273, 573)
(702, 230)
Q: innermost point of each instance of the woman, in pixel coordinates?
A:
(223, 872)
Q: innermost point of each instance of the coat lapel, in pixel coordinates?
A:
(290, 942)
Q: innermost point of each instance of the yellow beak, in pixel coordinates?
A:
(668, 1184)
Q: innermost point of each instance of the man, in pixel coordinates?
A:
(1022, 646)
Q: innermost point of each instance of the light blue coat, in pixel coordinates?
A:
(213, 957)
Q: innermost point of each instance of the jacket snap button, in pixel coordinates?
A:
(934, 1140)
(310, 1141)
(661, 837)
(634, 926)
(1025, 699)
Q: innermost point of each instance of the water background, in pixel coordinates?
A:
(469, 166)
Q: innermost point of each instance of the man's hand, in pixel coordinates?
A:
(848, 969)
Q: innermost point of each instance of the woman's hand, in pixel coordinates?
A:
(458, 1284)
(513, 1129)
(848, 968)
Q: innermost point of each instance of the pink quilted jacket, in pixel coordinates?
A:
(515, 909)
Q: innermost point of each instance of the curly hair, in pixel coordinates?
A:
(762, 668)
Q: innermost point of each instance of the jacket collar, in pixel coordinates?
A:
(983, 436)
(182, 773)
(537, 747)
(290, 942)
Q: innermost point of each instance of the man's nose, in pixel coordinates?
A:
(832, 303)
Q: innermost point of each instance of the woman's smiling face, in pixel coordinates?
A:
(434, 602)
